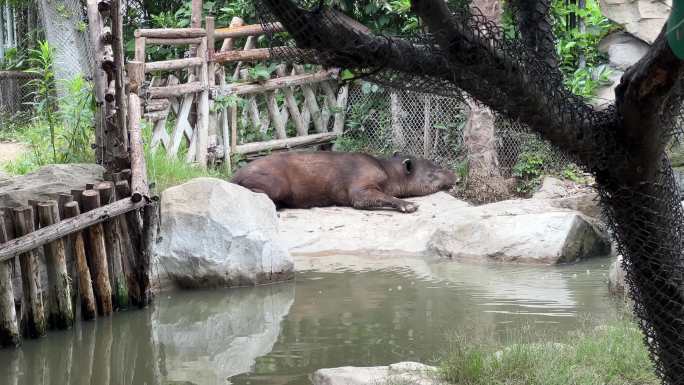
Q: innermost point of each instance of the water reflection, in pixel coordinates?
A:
(188, 338)
(280, 334)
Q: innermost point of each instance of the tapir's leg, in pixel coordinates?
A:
(369, 199)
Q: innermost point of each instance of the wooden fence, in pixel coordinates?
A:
(212, 76)
(98, 230)
(106, 229)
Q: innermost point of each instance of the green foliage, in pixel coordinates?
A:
(573, 173)
(13, 60)
(42, 61)
(357, 135)
(261, 72)
(583, 78)
(610, 355)
(529, 170)
(164, 171)
(69, 137)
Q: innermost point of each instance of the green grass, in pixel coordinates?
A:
(166, 172)
(611, 355)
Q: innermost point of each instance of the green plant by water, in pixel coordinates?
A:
(614, 354)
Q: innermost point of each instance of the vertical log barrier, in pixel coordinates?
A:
(150, 221)
(9, 327)
(114, 247)
(85, 284)
(32, 313)
(60, 313)
(98, 256)
(130, 225)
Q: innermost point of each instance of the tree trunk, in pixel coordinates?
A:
(485, 182)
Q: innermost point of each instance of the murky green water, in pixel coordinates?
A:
(280, 334)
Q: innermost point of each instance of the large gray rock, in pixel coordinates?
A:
(642, 18)
(553, 237)
(533, 230)
(396, 374)
(215, 233)
(47, 183)
(623, 49)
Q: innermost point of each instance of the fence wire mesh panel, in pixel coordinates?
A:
(16, 97)
(382, 120)
(516, 74)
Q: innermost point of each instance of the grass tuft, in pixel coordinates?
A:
(611, 355)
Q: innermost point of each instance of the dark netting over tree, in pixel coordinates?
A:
(623, 146)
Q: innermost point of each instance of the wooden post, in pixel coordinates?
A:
(117, 44)
(60, 313)
(115, 247)
(203, 108)
(32, 313)
(131, 229)
(85, 284)
(150, 216)
(210, 26)
(9, 327)
(99, 78)
(98, 256)
(139, 185)
(427, 127)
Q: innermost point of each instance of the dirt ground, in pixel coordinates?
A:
(10, 151)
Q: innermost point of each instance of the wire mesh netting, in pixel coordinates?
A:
(16, 96)
(517, 76)
(382, 120)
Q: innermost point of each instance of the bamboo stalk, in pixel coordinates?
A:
(32, 313)
(9, 326)
(98, 257)
(60, 313)
(85, 284)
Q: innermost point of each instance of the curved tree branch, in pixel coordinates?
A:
(473, 59)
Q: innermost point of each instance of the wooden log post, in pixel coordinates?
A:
(115, 247)
(310, 99)
(99, 77)
(98, 256)
(131, 229)
(85, 284)
(60, 313)
(9, 326)
(33, 323)
(203, 108)
(139, 187)
(150, 222)
(292, 104)
(118, 45)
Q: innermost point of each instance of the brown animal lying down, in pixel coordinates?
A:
(318, 179)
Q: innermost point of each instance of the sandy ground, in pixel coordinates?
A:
(10, 151)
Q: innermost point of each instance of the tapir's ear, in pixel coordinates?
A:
(408, 165)
(395, 153)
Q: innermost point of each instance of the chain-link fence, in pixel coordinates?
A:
(380, 120)
(16, 96)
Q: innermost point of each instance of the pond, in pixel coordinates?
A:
(334, 314)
